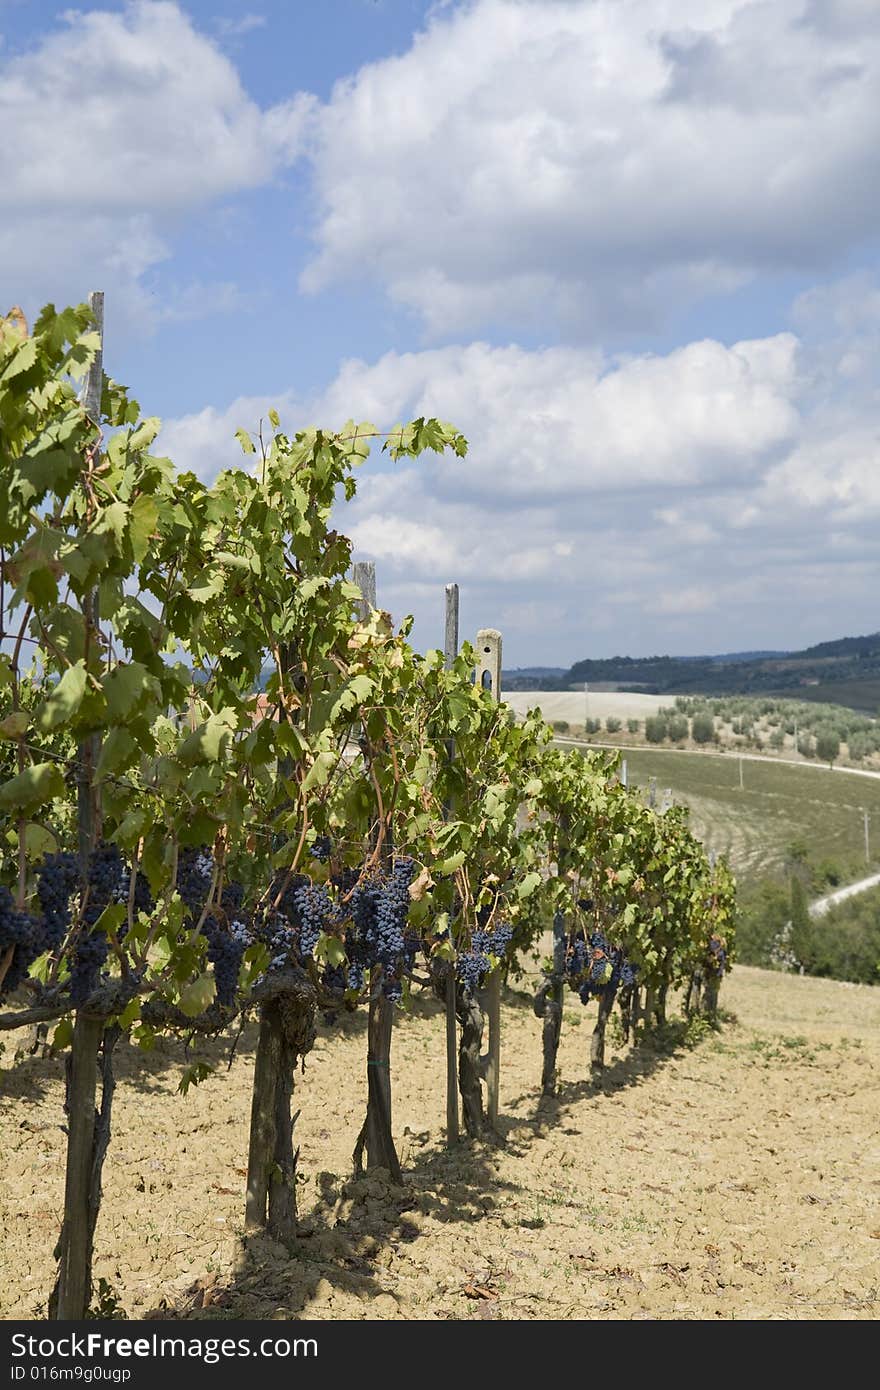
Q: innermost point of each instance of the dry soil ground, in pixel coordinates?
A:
(734, 1178)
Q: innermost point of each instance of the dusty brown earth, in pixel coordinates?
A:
(735, 1176)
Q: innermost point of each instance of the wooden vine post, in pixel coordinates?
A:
(452, 1128)
(376, 1133)
(286, 1034)
(552, 1007)
(488, 676)
(88, 1131)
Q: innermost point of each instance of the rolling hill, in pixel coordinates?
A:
(844, 671)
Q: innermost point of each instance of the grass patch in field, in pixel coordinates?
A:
(771, 1050)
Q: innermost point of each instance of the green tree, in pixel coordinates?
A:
(857, 747)
(827, 744)
(702, 728)
(656, 728)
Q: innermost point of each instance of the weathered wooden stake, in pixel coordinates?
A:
(88, 804)
(376, 1135)
(452, 1127)
(73, 1288)
(364, 573)
(261, 1151)
(470, 1067)
(553, 1007)
(381, 1152)
(74, 1283)
(597, 1042)
(489, 676)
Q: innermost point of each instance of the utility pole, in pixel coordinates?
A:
(867, 838)
(623, 773)
(586, 705)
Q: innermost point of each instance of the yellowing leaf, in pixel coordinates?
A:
(197, 996)
(14, 725)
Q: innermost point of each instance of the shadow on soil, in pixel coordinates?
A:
(360, 1227)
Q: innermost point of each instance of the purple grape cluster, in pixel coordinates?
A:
(474, 964)
(282, 940)
(369, 913)
(586, 966)
(322, 848)
(334, 979)
(716, 956)
(314, 909)
(576, 956)
(57, 881)
(195, 868)
(227, 943)
(379, 910)
(105, 874)
(143, 897)
(628, 973)
(392, 985)
(23, 933)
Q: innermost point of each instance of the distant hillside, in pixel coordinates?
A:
(533, 678)
(845, 671)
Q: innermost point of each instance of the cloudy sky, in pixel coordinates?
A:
(630, 247)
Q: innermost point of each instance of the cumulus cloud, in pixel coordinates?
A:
(116, 127)
(599, 163)
(564, 498)
(723, 496)
(554, 422)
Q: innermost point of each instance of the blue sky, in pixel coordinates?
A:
(629, 246)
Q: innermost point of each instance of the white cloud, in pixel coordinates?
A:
(237, 28)
(714, 498)
(115, 127)
(599, 163)
(557, 422)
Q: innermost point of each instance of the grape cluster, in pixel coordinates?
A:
(314, 909)
(474, 964)
(716, 956)
(280, 938)
(321, 848)
(368, 913)
(595, 967)
(57, 881)
(576, 956)
(195, 869)
(628, 974)
(226, 947)
(334, 979)
(143, 897)
(23, 933)
(105, 874)
(378, 907)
